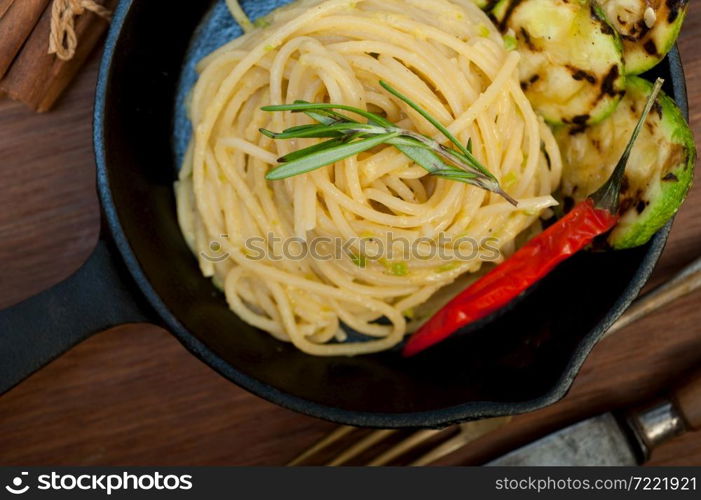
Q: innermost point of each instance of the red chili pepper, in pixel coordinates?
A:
(593, 217)
(525, 268)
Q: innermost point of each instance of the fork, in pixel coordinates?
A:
(683, 283)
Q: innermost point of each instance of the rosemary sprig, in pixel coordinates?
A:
(348, 137)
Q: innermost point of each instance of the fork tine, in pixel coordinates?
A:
(408, 444)
(361, 446)
(469, 432)
(324, 443)
(443, 449)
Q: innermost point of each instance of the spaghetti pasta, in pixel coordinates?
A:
(445, 55)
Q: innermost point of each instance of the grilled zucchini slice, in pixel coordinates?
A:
(572, 59)
(482, 4)
(660, 169)
(648, 28)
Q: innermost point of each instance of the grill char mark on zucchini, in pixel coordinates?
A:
(645, 44)
(531, 81)
(670, 177)
(580, 74)
(609, 86)
(598, 16)
(508, 8)
(675, 7)
(572, 59)
(651, 48)
(527, 38)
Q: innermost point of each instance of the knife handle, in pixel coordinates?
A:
(663, 419)
(687, 399)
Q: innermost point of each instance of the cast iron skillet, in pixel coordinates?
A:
(142, 270)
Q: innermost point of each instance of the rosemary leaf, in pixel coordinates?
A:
(326, 157)
(303, 106)
(326, 131)
(422, 155)
(426, 159)
(425, 114)
(457, 175)
(302, 131)
(267, 133)
(301, 128)
(296, 155)
(465, 151)
(450, 155)
(326, 116)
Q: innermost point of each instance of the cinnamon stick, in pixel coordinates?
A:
(5, 6)
(38, 78)
(17, 20)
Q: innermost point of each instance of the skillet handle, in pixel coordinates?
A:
(95, 298)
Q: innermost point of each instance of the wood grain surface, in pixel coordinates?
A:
(134, 396)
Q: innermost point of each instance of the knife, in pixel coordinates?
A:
(616, 439)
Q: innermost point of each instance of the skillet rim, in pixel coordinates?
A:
(424, 419)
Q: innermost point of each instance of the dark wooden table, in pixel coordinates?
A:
(134, 396)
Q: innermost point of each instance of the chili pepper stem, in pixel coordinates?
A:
(591, 218)
(608, 196)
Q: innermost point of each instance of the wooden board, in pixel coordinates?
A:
(134, 396)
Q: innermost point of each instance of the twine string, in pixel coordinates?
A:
(63, 40)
